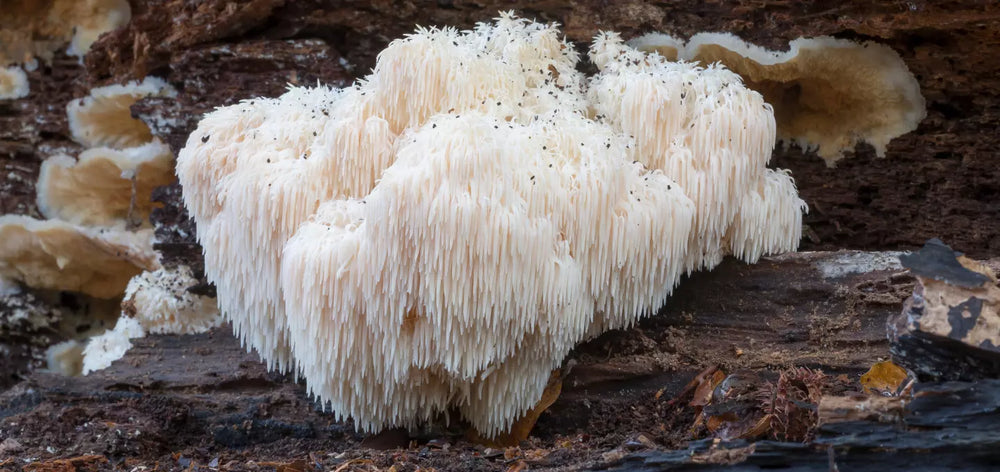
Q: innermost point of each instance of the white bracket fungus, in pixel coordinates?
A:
(103, 118)
(57, 255)
(669, 47)
(13, 83)
(441, 234)
(828, 94)
(94, 18)
(160, 301)
(105, 348)
(105, 186)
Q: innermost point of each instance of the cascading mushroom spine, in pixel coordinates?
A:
(441, 234)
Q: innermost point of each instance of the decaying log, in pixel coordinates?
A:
(950, 328)
(203, 396)
(946, 426)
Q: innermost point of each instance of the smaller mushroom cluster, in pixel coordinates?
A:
(95, 236)
(96, 239)
(156, 302)
(34, 30)
(440, 235)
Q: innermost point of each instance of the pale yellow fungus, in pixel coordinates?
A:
(104, 186)
(57, 255)
(13, 83)
(828, 94)
(103, 117)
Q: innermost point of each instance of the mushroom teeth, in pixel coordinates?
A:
(441, 234)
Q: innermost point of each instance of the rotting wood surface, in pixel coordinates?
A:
(947, 426)
(192, 399)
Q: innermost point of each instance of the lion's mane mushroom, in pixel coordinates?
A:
(162, 304)
(156, 302)
(828, 94)
(701, 127)
(442, 234)
(276, 148)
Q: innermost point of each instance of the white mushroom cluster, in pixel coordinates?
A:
(441, 234)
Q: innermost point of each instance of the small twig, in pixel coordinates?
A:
(693, 384)
(132, 221)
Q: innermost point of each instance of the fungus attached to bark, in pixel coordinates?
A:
(57, 255)
(93, 18)
(155, 302)
(669, 47)
(828, 94)
(441, 234)
(103, 118)
(104, 186)
(103, 349)
(162, 304)
(13, 83)
(65, 358)
(37, 28)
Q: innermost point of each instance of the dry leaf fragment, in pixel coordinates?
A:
(521, 428)
(884, 378)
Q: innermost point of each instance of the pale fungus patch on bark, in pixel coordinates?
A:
(156, 302)
(104, 186)
(828, 94)
(440, 235)
(94, 18)
(162, 304)
(101, 350)
(65, 358)
(31, 29)
(13, 83)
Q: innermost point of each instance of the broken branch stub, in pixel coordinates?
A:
(950, 328)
